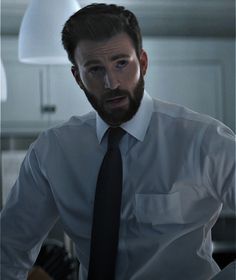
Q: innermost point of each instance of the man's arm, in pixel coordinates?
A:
(218, 164)
(27, 217)
(219, 168)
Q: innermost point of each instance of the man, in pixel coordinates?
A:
(178, 166)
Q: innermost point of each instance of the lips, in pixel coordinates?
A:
(117, 101)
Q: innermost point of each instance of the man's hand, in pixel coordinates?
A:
(38, 273)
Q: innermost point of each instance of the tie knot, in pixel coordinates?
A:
(114, 136)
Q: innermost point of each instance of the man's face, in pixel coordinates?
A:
(111, 75)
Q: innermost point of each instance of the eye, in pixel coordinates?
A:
(96, 70)
(121, 63)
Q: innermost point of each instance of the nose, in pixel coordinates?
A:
(111, 81)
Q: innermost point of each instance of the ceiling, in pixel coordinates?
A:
(204, 18)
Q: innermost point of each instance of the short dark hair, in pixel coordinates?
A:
(98, 22)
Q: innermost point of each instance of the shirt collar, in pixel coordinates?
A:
(137, 126)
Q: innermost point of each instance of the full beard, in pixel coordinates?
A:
(117, 116)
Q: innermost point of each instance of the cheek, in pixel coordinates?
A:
(132, 75)
(90, 84)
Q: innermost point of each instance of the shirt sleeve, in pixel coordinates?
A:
(218, 163)
(228, 273)
(30, 206)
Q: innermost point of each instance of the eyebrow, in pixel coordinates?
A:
(114, 57)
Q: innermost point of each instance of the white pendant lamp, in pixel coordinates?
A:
(3, 93)
(40, 31)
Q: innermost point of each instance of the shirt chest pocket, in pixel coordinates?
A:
(158, 208)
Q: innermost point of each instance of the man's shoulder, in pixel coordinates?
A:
(73, 128)
(179, 113)
(77, 123)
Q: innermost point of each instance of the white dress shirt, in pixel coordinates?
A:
(178, 170)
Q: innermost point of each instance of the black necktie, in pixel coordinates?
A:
(106, 213)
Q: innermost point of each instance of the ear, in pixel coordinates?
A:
(75, 72)
(143, 62)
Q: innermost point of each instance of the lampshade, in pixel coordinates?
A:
(40, 31)
(3, 93)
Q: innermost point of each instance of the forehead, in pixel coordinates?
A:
(118, 44)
